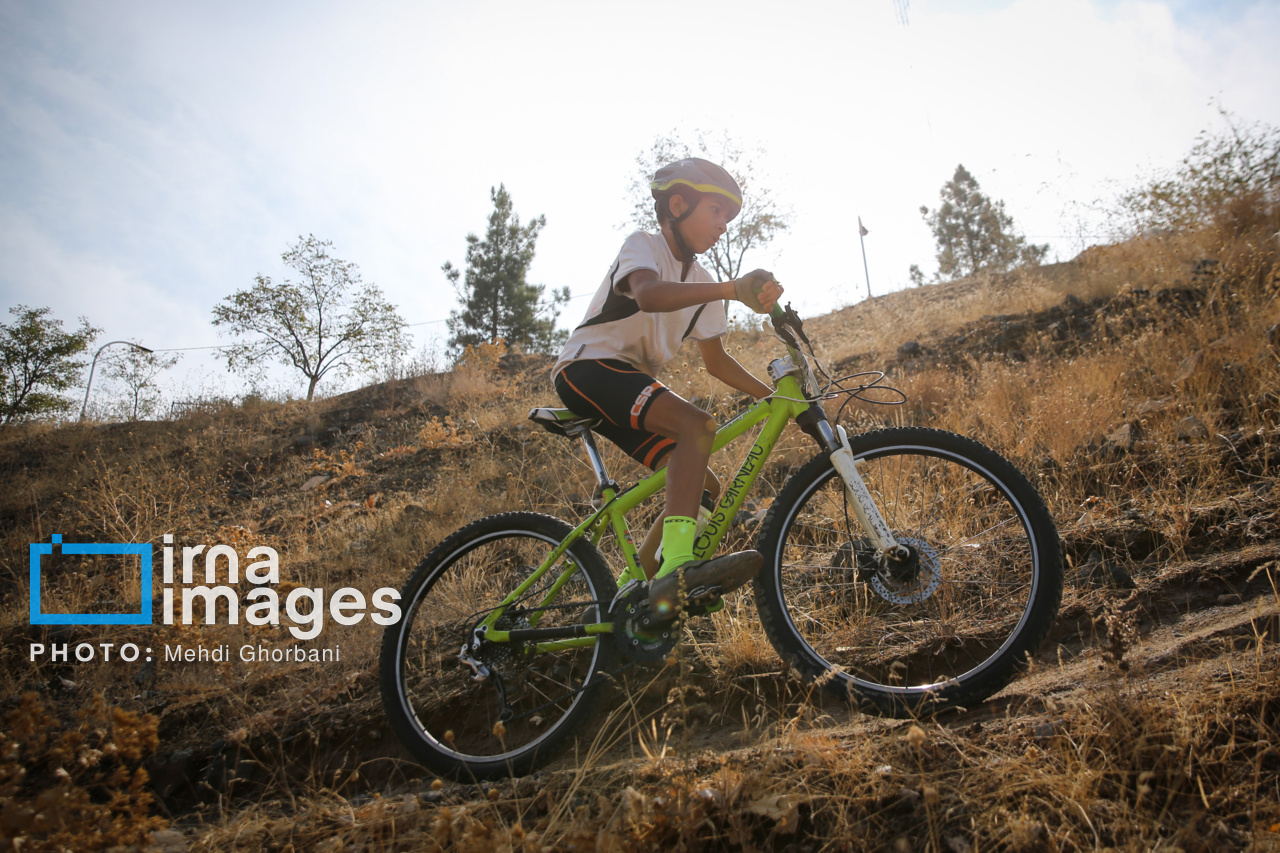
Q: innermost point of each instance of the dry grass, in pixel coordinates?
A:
(719, 750)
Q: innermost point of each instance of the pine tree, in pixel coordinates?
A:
(497, 303)
(974, 233)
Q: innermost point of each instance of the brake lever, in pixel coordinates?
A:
(785, 322)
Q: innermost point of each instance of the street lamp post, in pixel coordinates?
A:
(92, 367)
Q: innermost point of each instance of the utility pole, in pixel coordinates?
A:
(863, 232)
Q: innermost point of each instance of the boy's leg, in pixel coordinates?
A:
(694, 433)
(649, 547)
(647, 420)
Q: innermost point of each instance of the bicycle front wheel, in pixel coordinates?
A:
(953, 624)
(531, 696)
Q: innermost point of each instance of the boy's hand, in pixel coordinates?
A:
(758, 290)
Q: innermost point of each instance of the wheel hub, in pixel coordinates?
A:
(912, 580)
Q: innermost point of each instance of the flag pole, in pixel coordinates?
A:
(863, 232)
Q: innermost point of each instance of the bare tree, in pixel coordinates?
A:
(329, 321)
(137, 370)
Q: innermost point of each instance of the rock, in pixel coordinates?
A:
(1123, 438)
(1191, 428)
(1152, 407)
(1049, 729)
(1117, 577)
(173, 772)
(1204, 271)
(167, 841)
(1100, 572)
(1189, 369)
(315, 482)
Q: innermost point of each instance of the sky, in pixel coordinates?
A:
(156, 156)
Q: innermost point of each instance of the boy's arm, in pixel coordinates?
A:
(726, 368)
(655, 296)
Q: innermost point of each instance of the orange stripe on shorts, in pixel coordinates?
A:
(614, 369)
(585, 397)
(657, 450)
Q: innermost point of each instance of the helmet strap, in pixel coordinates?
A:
(686, 255)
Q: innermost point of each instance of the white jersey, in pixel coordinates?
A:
(615, 327)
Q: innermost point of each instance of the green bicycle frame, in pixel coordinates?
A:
(775, 412)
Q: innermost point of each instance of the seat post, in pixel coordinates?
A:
(584, 433)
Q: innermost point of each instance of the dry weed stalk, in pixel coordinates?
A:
(1134, 763)
(74, 781)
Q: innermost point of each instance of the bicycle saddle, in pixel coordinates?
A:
(561, 421)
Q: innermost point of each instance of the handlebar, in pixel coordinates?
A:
(790, 330)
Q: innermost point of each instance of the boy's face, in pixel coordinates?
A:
(707, 222)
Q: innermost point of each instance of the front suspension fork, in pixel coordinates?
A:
(836, 444)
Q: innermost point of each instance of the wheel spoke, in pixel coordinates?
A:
(446, 715)
(962, 610)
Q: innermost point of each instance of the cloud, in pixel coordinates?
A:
(157, 155)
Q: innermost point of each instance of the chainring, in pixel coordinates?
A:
(639, 635)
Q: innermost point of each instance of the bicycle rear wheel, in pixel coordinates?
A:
(951, 626)
(520, 714)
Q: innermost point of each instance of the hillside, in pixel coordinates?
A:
(1138, 386)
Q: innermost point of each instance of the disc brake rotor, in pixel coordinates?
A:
(924, 579)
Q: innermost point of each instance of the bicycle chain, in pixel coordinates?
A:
(572, 692)
(508, 653)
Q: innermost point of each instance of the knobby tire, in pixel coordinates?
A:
(985, 590)
(446, 719)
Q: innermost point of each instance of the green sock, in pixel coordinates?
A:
(678, 535)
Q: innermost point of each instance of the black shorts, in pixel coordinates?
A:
(621, 394)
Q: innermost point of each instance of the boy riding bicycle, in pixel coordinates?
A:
(654, 296)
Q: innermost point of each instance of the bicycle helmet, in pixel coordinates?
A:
(703, 176)
(691, 178)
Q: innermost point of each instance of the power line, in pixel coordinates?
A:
(407, 325)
